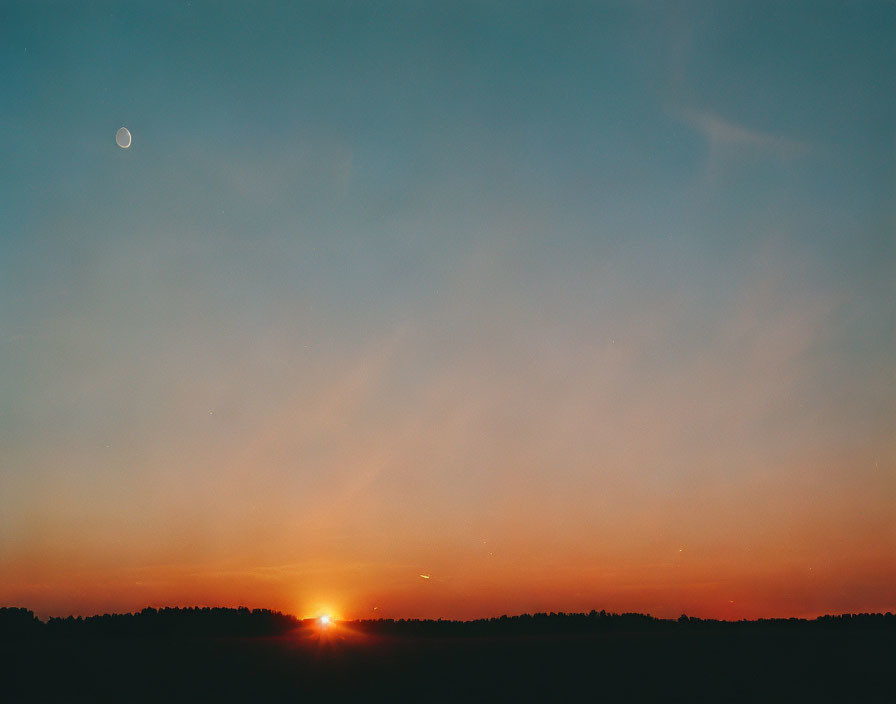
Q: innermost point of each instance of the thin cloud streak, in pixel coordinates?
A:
(719, 131)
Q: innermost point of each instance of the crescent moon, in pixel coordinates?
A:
(123, 138)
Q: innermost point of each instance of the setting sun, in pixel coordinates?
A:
(324, 620)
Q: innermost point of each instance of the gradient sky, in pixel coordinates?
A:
(567, 306)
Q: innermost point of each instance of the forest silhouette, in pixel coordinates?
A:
(221, 621)
(227, 654)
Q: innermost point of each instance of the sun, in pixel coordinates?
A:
(324, 620)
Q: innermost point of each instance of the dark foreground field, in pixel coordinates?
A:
(357, 662)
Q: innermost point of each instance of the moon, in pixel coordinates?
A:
(123, 138)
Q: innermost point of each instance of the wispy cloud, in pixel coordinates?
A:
(720, 132)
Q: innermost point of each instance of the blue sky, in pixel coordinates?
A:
(412, 260)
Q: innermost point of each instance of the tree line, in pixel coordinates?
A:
(169, 621)
(215, 621)
(603, 621)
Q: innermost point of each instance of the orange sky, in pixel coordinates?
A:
(712, 551)
(568, 476)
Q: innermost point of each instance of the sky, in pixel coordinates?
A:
(448, 309)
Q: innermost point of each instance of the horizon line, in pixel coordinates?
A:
(549, 614)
